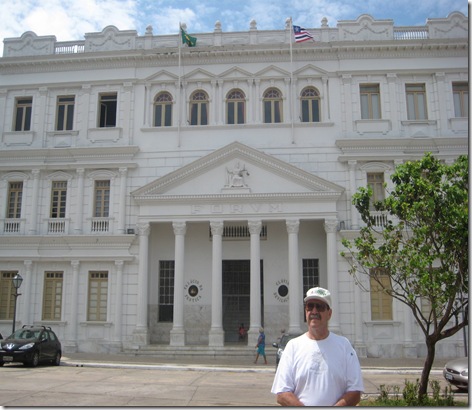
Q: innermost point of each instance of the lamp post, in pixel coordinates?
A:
(16, 284)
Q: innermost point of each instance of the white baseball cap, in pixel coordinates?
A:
(318, 294)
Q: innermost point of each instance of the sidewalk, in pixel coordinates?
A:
(229, 363)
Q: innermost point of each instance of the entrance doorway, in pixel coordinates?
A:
(236, 297)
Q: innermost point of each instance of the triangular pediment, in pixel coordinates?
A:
(309, 71)
(162, 76)
(236, 73)
(199, 75)
(215, 175)
(271, 72)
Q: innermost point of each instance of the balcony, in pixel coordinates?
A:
(100, 225)
(13, 226)
(58, 226)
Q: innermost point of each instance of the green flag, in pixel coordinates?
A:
(186, 39)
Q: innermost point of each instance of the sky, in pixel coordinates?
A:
(71, 19)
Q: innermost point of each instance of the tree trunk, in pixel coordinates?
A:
(428, 364)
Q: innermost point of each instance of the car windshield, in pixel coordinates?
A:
(24, 334)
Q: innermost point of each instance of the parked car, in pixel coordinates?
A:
(280, 345)
(456, 372)
(31, 345)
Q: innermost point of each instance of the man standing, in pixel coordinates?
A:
(318, 368)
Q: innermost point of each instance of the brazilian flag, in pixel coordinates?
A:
(186, 39)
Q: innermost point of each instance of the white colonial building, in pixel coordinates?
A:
(156, 196)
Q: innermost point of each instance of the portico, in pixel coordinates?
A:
(270, 194)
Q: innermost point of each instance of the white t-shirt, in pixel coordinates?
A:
(318, 372)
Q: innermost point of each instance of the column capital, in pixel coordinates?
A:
(180, 228)
(292, 225)
(254, 227)
(331, 225)
(216, 227)
(119, 263)
(28, 263)
(144, 228)
(75, 263)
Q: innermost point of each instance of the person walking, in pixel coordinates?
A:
(261, 346)
(318, 368)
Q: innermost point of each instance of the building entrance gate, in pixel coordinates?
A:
(236, 297)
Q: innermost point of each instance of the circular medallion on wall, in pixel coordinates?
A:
(193, 289)
(281, 294)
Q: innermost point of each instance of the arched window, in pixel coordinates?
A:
(235, 107)
(272, 106)
(310, 108)
(163, 110)
(199, 108)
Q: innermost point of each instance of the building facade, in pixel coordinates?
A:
(158, 194)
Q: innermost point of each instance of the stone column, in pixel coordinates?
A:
(80, 201)
(73, 314)
(216, 336)
(122, 204)
(331, 227)
(177, 334)
(255, 282)
(352, 188)
(118, 300)
(140, 333)
(34, 203)
(27, 278)
(295, 293)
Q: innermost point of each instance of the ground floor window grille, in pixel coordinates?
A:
(97, 297)
(52, 296)
(6, 294)
(166, 291)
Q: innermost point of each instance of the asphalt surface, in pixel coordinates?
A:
(120, 380)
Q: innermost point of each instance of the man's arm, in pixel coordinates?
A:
(288, 399)
(350, 398)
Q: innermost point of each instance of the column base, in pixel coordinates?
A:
(361, 349)
(216, 338)
(410, 351)
(140, 336)
(177, 337)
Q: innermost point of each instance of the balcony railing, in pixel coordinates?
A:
(380, 218)
(13, 226)
(100, 225)
(58, 226)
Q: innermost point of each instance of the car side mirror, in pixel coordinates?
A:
(276, 345)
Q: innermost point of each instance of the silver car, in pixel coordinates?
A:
(456, 372)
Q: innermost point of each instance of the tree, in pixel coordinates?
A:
(422, 247)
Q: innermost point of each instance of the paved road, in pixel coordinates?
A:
(89, 382)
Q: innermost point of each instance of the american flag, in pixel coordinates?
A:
(301, 34)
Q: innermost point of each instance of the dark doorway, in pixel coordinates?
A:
(236, 297)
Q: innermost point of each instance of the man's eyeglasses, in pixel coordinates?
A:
(320, 307)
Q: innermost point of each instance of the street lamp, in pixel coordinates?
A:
(16, 284)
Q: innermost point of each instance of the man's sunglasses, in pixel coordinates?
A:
(320, 307)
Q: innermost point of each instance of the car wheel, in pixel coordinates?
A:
(57, 360)
(35, 360)
(1, 364)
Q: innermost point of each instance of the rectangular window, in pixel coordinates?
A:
(23, 110)
(370, 101)
(15, 195)
(102, 199)
(376, 182)
(311, 274)
(65, 113)
(7, 299)
(58, 199)
(166, 291)
(380, 300)
(97, 297)
(416, 101)
(52, 296)
(460, 92)
(108, 109)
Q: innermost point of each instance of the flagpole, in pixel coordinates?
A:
(179, 42)
(291, 82)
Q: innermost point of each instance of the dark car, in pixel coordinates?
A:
(280, 345)
(31, 345)
(456, 372)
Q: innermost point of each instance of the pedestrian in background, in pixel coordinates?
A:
(318, 368)
(261, 346)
